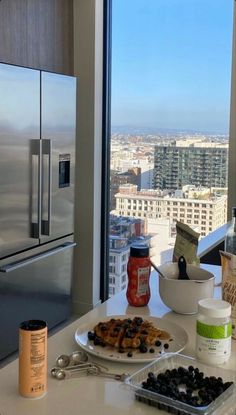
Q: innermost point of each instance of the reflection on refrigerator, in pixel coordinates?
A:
(37, 163)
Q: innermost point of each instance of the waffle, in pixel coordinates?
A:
(127, 333)
(111, 332)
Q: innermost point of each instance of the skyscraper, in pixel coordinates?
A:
(176, 166)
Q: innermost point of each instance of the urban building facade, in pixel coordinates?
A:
(125, 231)
(179, 165)
(205, 213)
(118, 179)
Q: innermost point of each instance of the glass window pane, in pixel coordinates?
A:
(171, 74)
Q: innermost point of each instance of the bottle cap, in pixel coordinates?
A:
(213, 307)
(33, 325)
(234, 212)
(139, 251)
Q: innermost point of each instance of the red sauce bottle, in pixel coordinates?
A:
(138, 269)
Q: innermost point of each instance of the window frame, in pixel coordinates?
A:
(106, 134)
(106, 148)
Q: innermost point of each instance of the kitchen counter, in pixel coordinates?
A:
(89, 394)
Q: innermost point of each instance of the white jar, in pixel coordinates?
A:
(214, 329)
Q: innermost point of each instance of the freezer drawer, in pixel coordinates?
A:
(37, 287)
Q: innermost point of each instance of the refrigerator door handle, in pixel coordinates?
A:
(35, 188)
(22, 263)
(46, 186)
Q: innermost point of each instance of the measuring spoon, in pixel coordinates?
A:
(76, 359)
(97, 371)
(62, 374)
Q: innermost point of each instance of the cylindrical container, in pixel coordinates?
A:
(138, 269)
(230, 239)
(214, 329)
(33, 358)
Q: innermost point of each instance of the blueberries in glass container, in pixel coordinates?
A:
(187, 385)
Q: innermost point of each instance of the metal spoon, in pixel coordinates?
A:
(62, 374)
(76, 359)
(98, 372)
(70, 369)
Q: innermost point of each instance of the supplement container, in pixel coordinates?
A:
(33, 358)
(138, 269)
(214, 329)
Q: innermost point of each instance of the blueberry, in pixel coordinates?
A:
(91, 335)
(97, 341)
(151, 350)
(158, 343)
(166, 346)
(138, 321)
(219, 391)
(130, 354)
(143, 348)
(163, 389)
(180, 370)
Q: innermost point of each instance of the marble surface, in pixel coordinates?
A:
(87, 395)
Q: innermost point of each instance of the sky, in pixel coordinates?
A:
(171, 64)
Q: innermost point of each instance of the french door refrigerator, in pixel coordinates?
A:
(37, 161)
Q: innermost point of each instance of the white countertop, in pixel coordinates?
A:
(89, 395)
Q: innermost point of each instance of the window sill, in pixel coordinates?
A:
(212, 241)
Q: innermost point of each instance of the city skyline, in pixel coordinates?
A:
(171, 64)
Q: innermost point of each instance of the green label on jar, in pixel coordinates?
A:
(214, 332)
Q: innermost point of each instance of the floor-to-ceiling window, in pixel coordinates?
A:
(170, 106)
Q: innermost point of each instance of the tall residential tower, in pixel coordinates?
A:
(199, 164)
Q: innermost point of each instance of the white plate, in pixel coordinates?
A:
(178, 335)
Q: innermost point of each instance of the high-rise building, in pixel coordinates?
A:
(195, 164)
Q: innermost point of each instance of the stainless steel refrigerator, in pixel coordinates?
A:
(37, 162)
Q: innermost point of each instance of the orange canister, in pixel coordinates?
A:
(138, 270)
(33, 358)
